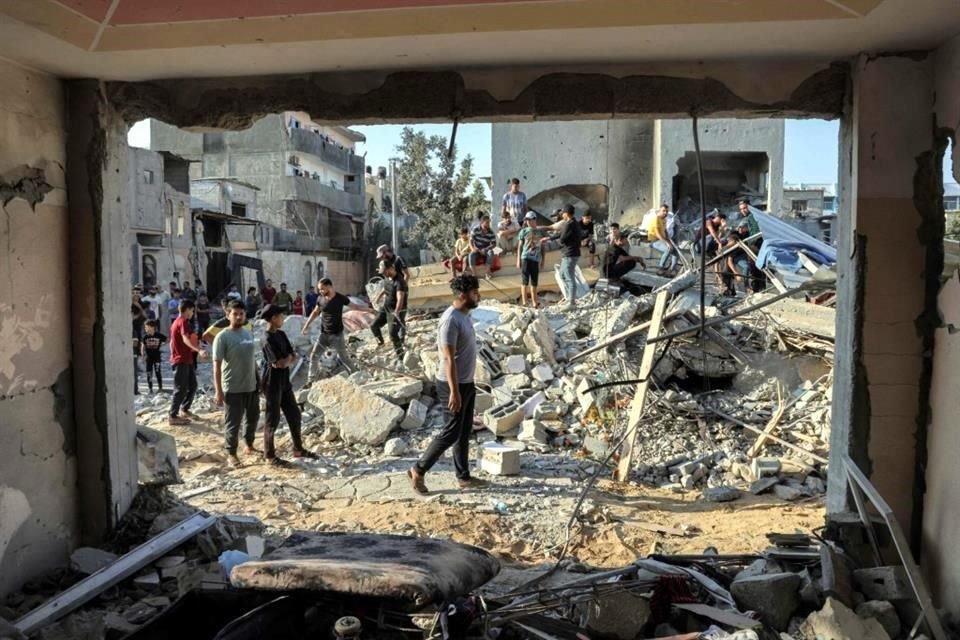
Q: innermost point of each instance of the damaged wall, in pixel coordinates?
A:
(889, 233)
(38, 474)
(941, 519)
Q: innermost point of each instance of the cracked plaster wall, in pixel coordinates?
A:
(941, 518)
(38, 467)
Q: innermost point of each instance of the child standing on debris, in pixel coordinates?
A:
(457, 344)
(152, 341)
(278, 357)
(528, 259)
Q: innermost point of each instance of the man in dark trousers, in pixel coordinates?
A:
(235, 380)
(183, 345)
(330, 306)
(457, 344)
(394, 309)
(278, 357)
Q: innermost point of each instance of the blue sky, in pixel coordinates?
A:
(810, 147)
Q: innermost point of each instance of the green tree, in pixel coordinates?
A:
(442, 193)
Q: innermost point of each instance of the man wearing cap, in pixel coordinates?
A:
(514, 204)
(569, 253)
(529, 256)
(330, 306)
(278, 357)
(386, 252)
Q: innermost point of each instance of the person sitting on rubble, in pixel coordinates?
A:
(393, 309)
(461, 250)
(278, 358)
(507, 232)
(717, 232)
(658, 232)
(615, 229)
(482, 243)
(737, 261)
(588, 237)
(618, 261)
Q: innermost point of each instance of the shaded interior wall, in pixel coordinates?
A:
(99, 308)
(39, 521)
(888, 236)
(675, 139)
(941, 518)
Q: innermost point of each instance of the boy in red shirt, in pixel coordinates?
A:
(184, 348)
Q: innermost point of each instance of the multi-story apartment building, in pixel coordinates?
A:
(310, 205)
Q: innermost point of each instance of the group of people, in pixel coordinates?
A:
(740, 236)
(520, 232)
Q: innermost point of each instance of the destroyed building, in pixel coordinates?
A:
(76, 75)
(310, 206)
(636, 165)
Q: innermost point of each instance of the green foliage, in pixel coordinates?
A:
(443, 195)
(953, 226)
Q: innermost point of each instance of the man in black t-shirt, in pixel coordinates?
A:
(150, 350)
(618, 261)
(394, 309)
(587, 237)
(278, 357)
(386, 252)
(570, 239)
(330, 306)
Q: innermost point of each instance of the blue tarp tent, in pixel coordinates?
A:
(782, 241)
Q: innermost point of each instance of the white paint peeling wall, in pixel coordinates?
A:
(38, 474)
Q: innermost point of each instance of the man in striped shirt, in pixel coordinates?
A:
(514, 204)
(482, 243)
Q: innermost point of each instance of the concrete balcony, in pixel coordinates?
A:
(314, 144)
(310, 190)
(287, 240)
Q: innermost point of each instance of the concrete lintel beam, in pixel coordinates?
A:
(437, 96)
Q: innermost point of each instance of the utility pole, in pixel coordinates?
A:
(393, 204)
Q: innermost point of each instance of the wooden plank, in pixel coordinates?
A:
(114, 573)
(640, 397)
(771, 425)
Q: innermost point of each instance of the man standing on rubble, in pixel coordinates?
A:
(394, 309)
(386, 252)
(457, 344)
(529, 255)
(329, 307)
(183, 345)
(570, 239)
(235, 380)
(514, 204)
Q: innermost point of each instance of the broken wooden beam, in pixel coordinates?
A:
(640, 397)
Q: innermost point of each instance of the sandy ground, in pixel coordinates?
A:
(346, 491)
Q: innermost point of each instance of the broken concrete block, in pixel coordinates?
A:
(149, 580)
(774, 596)
(763, 467)
(416, 415)
(616, 614)
(395, 447)
(400, 390)
(87, 560)
(157, 461)
(516, 381)
(540, 340)
(721, 494)
(515, 364)
(547, 411)
(529, 405)
(532, 431)
(788, 493)
(503, 418)
(884, 613)
(429, 361)
(836, 579)
(499, 460)
(883, 583)
(835, 620)
(542, 373)
(763, 485)
(585, 397)
(483, 403)
(596, 447)
(172, 566)
(815, 485)
(255, 546)
(361, 417)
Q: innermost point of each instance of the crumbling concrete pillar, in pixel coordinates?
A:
(100, 308)
(891, 256)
